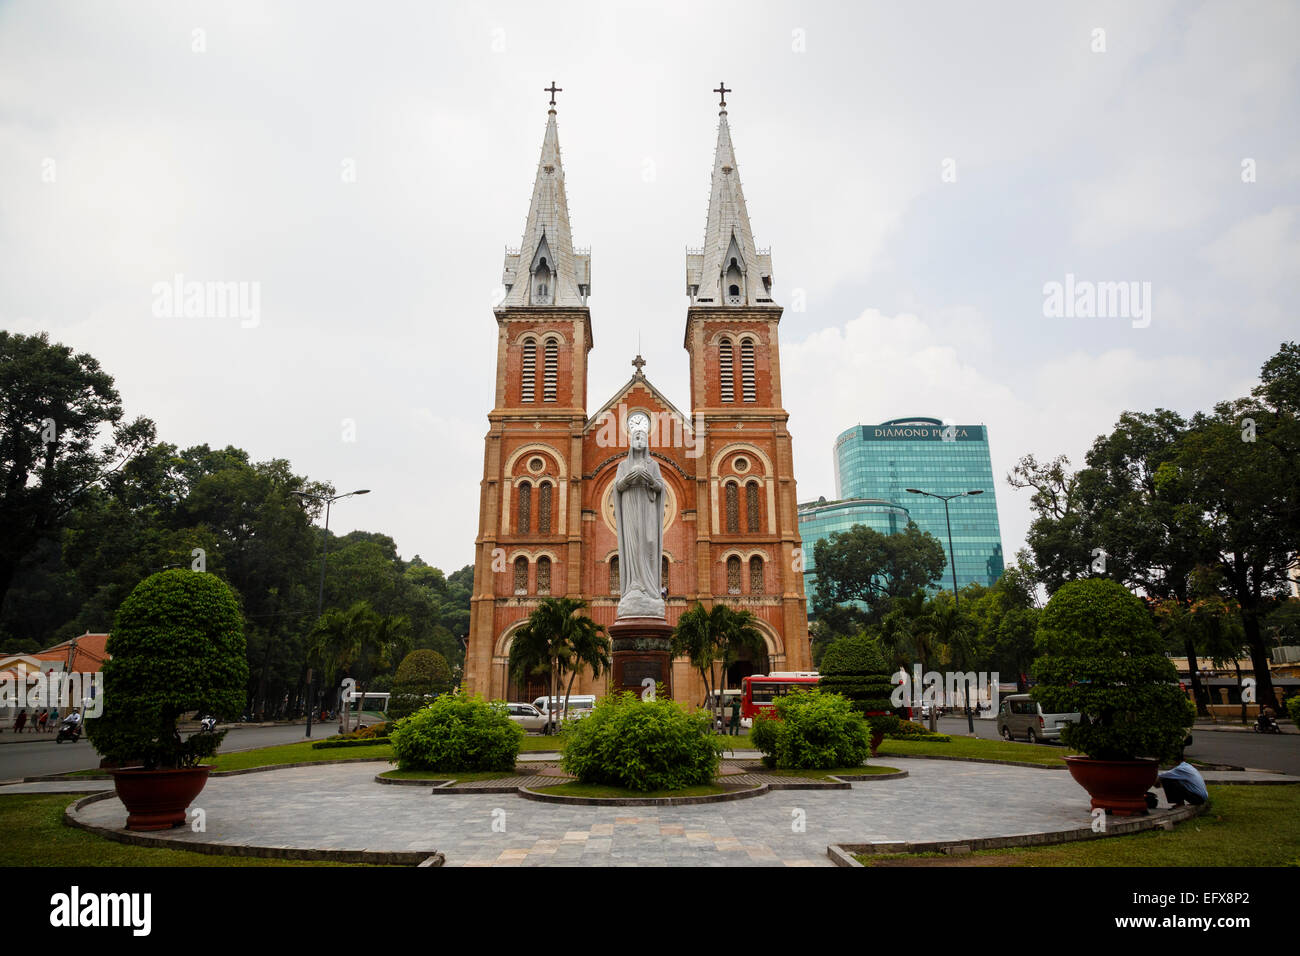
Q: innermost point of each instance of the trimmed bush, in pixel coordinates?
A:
(642, 745)
(177, 646)
(1102, 656)
(422, 675)
(457, 733)
(911, 730)
(812, 730)
(1293, 709)
(854, 668)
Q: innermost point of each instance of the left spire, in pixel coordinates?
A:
(545, 270)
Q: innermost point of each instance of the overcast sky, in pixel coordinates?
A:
(920, 170)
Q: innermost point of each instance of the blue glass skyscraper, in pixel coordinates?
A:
(883, 461)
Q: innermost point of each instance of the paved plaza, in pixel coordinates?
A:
(341, 806)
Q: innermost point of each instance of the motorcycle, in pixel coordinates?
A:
(1267, 724)
(69, 729)
(208, 724)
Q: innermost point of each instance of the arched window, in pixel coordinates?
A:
(613, 575)
(525, 522)
(663, 577)
(544, 575)
(544, 509)
(551, 372)
(747, 390)
(542, 284)
(752, 522)
(756, 575)
(733, 508)
(724, 371)
(528, 378)
(521, 575)
(733, 575)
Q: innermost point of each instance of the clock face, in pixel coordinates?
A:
(638, 422)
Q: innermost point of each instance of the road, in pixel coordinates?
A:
(1279, 752)
(30, 758)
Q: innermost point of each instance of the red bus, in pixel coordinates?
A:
(759, 691)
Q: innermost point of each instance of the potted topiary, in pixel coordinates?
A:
(1101, 657)
(855, 668)
(177, 646)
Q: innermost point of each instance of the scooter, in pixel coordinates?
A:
(1267, 724)
(69, 729)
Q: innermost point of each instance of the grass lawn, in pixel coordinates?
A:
(973, 747)
(574, 789)
(298, 753)
(866, 770)
(35, 835)
(449, 775)
(1245, 826)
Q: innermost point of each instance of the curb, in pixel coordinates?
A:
(415, 858)
(868, 777)
(60, 777)
(650, 801)
(841, 854)
(1005, 763)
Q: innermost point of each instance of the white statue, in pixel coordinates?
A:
(639, 519)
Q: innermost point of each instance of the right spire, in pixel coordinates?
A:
(729, 270)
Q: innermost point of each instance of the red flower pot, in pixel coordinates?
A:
(1118, 786)
(158, 799)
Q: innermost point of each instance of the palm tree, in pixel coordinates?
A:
(336, 640)
(719, 633)
(357, 642)
(555, 639)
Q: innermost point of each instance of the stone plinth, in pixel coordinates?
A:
(641, 649)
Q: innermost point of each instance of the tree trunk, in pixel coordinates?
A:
(1193, 667)
(1259, 659)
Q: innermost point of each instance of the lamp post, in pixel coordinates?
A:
(952, 559)
(320, 600)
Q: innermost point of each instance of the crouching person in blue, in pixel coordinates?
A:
(1183, 784)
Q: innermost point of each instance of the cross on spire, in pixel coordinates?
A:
(721, 90)
(552, 89)
(638, 363)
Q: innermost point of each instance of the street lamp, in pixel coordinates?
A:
(320, 600)
(952, 559)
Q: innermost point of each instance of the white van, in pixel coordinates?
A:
(570, 708)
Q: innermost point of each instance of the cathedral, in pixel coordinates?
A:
(546, 514)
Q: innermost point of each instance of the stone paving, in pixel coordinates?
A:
(342, 807)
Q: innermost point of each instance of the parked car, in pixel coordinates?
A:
(570, 708)
(527, 716)
(1022, 716)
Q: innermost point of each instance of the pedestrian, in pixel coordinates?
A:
(45, 720)
(1183, 783)
(20, 721)
(735, 717)
(54, 718)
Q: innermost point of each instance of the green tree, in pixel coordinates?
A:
(62, 432)
(863, 565)
(555, 638)
(716, 634)
(422, 674)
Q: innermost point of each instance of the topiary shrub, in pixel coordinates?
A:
(177, 646)
(422, 675)
(854, 668)
(1102, 656)
(911, 730)
(812, 730)
(642, 745)
(457, 733)
(1293, 709)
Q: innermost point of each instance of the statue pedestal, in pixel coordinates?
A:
(641, 649)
